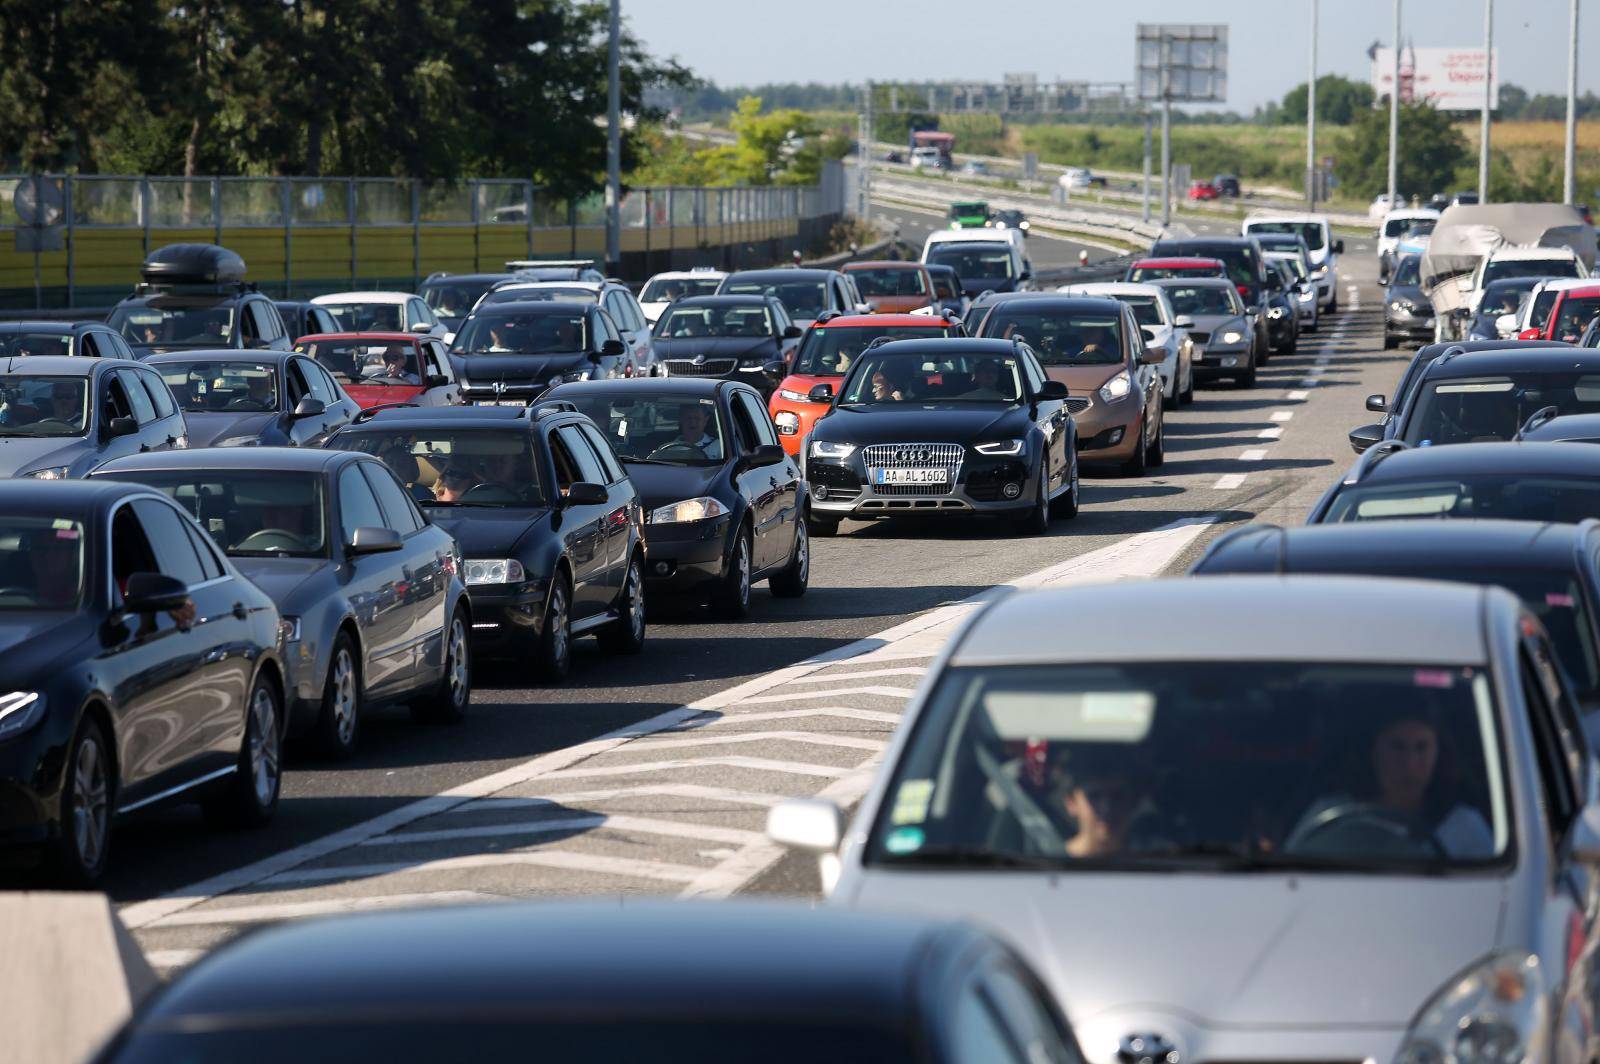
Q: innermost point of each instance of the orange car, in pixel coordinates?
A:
(824, 355)
(893, 287)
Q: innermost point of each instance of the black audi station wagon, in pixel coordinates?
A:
(550, 527)
(947, 426)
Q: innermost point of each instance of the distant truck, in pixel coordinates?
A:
(931, 147)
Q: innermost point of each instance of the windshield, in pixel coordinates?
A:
(361, 316)
(1574, 317)
(455, 467)
(208, 387)
(23, 344)
(1146, 309)
(542, 295)
(250, 513)
(1161, 273)
(357, 362)
(944, 286)
(980, 211)
(667, 289)
(972, 261)
(43, 406)
(1059, 337)
(41, 563)
(1474, 409)
(1310, 232)
(163, 323)
(647, 426)
(1296, 267)
(508, 332)
(1505, 297)
(1498, 269)
(804, 300)
(1567, 500)
(1209, 299)
(880, 379)
(890, 282)
(453, 299)
(1401, 226)
(1229, 765)
(682, 322)
(1543, 303)
(829, 352)
(1408, 272)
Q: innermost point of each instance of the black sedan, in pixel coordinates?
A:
(589, 981)
(83, 339)
(735, 338)
(550, 526)
(957, 426)
(141, 668)
(61, 416)
(723, 503)
(370, 592)
(255, 398)
(512, 352)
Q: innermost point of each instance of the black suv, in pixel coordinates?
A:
(1240, 255)
(1391, 406)
(511, 352)
(194, 296)
(551, 529)
(88, 339)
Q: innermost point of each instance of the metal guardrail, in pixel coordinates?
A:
(1102, 224)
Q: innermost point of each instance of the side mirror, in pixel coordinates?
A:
(586, 493)
(436, 380)
(763, 456)
(1052, 390)
(774, 368)
(369, 539)
(1338, 247)
(1585, 835)
(122, 426)
(1364, 437)
(154, 593)
(421, 327)
(792, 332)
(821, 393)
(1152, 357)
(1183, 323)
(1528, 334)
(1377, 404)
(309, 406)
(612, 349)
(1505, 323)
(1149, 331)
(1025, 275)
(814, 825)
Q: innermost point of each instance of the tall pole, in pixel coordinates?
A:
(1569, 185)
(1488, 95)
(1394, 110)
(1166, 156)
(1147, 166)
(1311, 117)
(614, 143)
(864, 158)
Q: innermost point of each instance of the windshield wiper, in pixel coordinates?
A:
(1235, 858)
(966, 857)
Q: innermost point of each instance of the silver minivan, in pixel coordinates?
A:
(1252, 819)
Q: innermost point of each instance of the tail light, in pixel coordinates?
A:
(1244, 291)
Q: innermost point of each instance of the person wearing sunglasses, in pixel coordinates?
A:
(453, 483)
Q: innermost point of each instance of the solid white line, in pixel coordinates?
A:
(164, 960)
(1298, 396)
(1283, 415)
(846, 712)
(819, 738)
(1255, 454)
(758, 764)
(603, 794)
(905, 670)
(885, 692)
(1229, 480)
(609, 822)
(1276, 432)
(563, 859)
(249, 914)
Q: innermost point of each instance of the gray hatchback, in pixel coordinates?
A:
(1296, 835)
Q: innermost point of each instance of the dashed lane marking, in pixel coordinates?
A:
(1282, 415)
(1255, 454)
(1298, 396)
(1274, 433)
(1229, 481)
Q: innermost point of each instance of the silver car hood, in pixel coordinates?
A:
(1244, 951)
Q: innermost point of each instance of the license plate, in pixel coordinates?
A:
(1199, 353)
(502, 402)
(939, 475)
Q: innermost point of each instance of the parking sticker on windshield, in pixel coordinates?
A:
(1555, 598)
(904, 840)
(911, 802)
(1440, 678)
(61, 522)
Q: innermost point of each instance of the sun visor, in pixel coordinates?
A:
(208, 264)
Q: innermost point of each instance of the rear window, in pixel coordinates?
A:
(1498, 269)
(1310, 232)
(889, 282)
(353, 362)
(1491, 408)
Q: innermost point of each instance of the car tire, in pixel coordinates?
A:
(1157, 455)
(447, 702)
(1389, 342)
(1036, 520)
(625, 635)
(731, 599)
(1333, 304)
(1139, 464)
(1065, 506)
(792, 580)
(81, 852)
(1188, 393)
(1176, 400)
(552, 651)
(249, 797)
(822, 526)
(339, 719)
(1247, 379)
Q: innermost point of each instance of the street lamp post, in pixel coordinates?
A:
(1311, 117)
(1488, 95)
(1394, 110)
(614, 144)
(1569, 184)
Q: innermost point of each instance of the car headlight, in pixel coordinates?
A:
(1307, 296)
(1116, 387)
(1403, 306)
(793, 396)
(1232, 337)
(700, 509)
(1001, 447)
(494, 571)
(288, 629)
(19, 711)
(1489, 1015)
(1320, 272)
(570, 378)
(828, 449)
(247, 440)
(1276, 312)
(787, 423)
(49, 473)
(753, 365)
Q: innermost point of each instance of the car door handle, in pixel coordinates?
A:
(239, 611)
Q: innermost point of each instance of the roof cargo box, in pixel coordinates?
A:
(193, 264)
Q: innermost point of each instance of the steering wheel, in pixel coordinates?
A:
(490, 493)
(63, 422)
(1315, 831)
(677, 449)
(273, 539)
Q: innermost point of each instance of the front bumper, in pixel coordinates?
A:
(686, 557)
(1108, 433)
(1327, 287)
(305, 671)
(1281, 330)
(979, 485)
(1211, 362)
(506, 618)
(1408, 326)
(32, 772)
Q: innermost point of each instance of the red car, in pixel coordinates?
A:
(386, 368)
(1160, 268)
(1574, 309)
(1202, 190)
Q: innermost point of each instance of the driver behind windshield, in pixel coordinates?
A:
(693, 422)
(454, 482)
(1103, 794)
(395, 367)
(988, 382)
(61, 403)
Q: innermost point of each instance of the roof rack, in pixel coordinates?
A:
(373, 411)
(1447, 354)
(1372, 456)
(1544, 415)
(538, 408)
(827, 315)
(534, 264)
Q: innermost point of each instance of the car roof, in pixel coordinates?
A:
(1115, 288)
(781, 273)
(883, 264)
(687, 275)
(742, 299)
(946, 345)
(856, 321)
(701, 387)
(517, 285)
(24, 495)
(1487, 544)
(56, 365)
(1284, 216)
(747, 958)
(224, 354)
(1523, 458)
(385, 337)
(1566, 427)
(938, 267)
(1190, 282)
(443, 278)
(1179, 262)
(74, 327)
(446, 417)
(1060, 302)
(364, 297)
(1405, 213)
(1243, 618)
(971, 236)
(1513, 357)
(292, 459)
(1579, 291)
(536, 307)
(1535, 253)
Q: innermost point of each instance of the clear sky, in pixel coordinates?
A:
(746, 42)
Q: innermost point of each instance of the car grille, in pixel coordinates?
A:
(914, 456)
(711, 367)
(1078, 404)
(1199, 337)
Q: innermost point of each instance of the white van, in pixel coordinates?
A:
(926, 158)
(1320, 243)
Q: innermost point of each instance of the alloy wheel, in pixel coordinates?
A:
(91, 806)
(455, 664)
(344, 696)
(264, 745)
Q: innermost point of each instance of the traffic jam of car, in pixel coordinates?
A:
(1324, 787)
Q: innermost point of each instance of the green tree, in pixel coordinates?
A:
(1432, 149)
(1340, 101)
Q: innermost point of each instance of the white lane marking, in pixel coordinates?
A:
(1255, 454)
(1298, 396)
(1310, 382)
(604, 794)
(757, 764)
(164, 960)
(1274, 433)
(1316, 371)
(905, 670)
(848, 712)
(245, 914)
(1283, 415)
(830, 692)
(1323, 361)
(563, 859)
(556, 825)
(817, 738)
(1228, 480)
